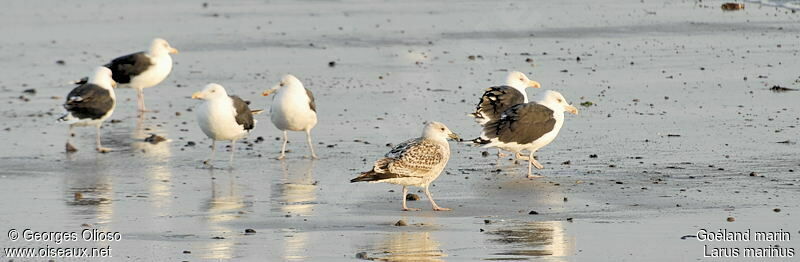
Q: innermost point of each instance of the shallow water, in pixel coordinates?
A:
(676, 128)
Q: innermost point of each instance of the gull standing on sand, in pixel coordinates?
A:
(223, 117)
(527, 126)
(143, 69)
(497, 99)
(416, 162)
(90, 104)
(293, 109)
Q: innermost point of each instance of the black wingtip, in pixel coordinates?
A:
(480, 141)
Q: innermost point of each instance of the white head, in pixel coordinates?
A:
(519, 81)
(555, 100)
(102, 77)
(438, 131)
(288, 81)
(211, 91)
(161, 47)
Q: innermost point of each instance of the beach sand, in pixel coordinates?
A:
(682, 114)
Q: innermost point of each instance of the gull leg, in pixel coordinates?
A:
(405, 208)
(532, 162)
(430, 198)
(100, 148)
(207, 163)
(140, 99)
(283, 148)
(310, 146)
(233, 151)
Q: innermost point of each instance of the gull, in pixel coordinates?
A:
(529, 126)
(223, 117)
(89, 104)
(416, 162)
(292, 109)
(143, 69)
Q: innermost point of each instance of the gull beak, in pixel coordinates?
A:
(534, 84)
(270, 91)
(172, 50)
(198, 95)
(571, 109)
(454, 136)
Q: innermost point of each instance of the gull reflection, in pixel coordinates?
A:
(297, 191)
(156, 166)
(408, 246)
(533, 239)
(225, 205)
(89, 191)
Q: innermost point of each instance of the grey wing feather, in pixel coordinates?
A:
(496, 100)
(124, 68)
(89, 101)
(244, 116)
(521, 123)
(311, 102)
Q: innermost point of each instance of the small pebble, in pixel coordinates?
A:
(731, 219)
(412, 197)
(400, 223)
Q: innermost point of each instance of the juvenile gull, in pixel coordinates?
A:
(90, 103)
(293, 109)
(143, 69)
(416, 162)
(527, 126)
(223, 117)
(497, 99)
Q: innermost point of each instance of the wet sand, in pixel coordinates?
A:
(682, 115)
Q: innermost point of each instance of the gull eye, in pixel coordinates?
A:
(281, 83)
(213, 90)
(559, 100)
(442, 128)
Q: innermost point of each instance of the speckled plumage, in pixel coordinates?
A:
(415, 162)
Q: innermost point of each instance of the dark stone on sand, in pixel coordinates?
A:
(70, 148)
(484, 153)
(218, 238)
(332, 63)
(593, 156)
(155, 139)
(187, 252)
(566, 162)
(776, 210)
(60, 62)
(487, 221)
(362, 255)
(533, 212)
(587, 103)
(777, 88)
(472, 57)
(249, 231)
(30, 91)
(412, 197)
(731, 219)
(566, 199)
(401, 223)
(569, 219)
(529, 60)
(673, 135)
(753, 174)
(259, 139)
(619, 183)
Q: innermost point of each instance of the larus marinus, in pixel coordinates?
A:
(527, 126)
(223, 117)
(497, 99)
(416, 162)
(90, 103)
(293, 109)
(143, 69)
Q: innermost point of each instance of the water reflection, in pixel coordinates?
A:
(297, 192)
(532, 239)
(408, 246)
(89, 191)
(225, 205)
(156, 156)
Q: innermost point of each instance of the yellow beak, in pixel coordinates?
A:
(270, 91)
(198, 95)
(173, 50)
(534, 84)
(571, 109)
